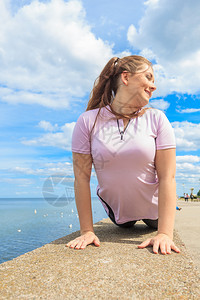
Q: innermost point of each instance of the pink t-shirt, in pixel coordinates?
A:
(125, 168)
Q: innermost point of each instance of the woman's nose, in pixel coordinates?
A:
(153, 87)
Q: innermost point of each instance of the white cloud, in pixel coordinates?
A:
(46, 170)
(187, 135)
(21, 193)
(148, 54)
(57, 170)
(188, 159)
(168, 31)
(151, 2)
(132, 35)
(39, 96)
(187, 173)
(188, 110)
(47, 126)
(160, 104)
(18, 181)
(60, 139)
(27, 171)
(48, 54)
(188, 167)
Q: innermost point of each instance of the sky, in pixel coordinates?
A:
(50, 54)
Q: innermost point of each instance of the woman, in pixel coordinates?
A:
(133, 152)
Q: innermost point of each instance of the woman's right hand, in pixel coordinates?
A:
(85, 239)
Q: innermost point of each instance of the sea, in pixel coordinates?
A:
(29, 223)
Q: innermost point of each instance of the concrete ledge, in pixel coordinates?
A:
(187, 223)
(115, 270)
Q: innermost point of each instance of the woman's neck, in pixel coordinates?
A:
(123, 107)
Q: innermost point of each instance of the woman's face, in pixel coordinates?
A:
(139, 86)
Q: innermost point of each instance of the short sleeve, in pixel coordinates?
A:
(81, 137)
(165, 133)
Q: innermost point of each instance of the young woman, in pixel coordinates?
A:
(132, 149)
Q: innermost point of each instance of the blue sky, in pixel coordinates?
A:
(50, 54)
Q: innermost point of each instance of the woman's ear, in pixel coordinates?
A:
(124, 77)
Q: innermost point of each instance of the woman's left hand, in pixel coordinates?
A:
(161, 241)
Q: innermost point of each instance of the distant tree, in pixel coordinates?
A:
(198, 194)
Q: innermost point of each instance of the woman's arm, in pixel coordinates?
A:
(165, 162)
(82, 165)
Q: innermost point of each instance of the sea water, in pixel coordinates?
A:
(26, 224)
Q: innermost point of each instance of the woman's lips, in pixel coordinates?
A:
(149, 94)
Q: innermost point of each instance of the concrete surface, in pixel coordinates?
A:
(115, 270)
(187, 224)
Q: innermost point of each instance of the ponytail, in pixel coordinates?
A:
(104, 85)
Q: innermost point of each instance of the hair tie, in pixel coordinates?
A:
(116, 61)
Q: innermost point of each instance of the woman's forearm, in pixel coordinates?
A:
(84, 205)
(166, 206)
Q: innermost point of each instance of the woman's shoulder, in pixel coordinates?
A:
(88, 114)
(87, 119)
(156, 118)
(154, 111)
(155, 114)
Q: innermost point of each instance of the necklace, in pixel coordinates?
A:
(122, 131)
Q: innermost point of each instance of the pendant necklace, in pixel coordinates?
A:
(123, 131)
